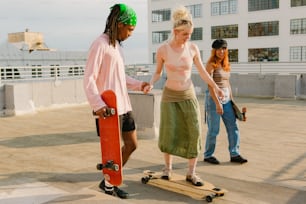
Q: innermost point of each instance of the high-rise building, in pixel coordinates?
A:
(256, 30)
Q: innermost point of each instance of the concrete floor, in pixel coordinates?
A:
(51, 156)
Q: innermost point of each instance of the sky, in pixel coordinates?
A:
(72, 25)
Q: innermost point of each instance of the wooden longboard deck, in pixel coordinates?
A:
(178, 184)
(110, 141)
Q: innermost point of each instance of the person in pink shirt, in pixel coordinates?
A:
(105, 70)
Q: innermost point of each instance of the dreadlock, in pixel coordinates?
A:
(111, 27)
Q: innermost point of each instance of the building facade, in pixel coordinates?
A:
(256, 30)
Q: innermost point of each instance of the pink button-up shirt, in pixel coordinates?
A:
(105, 70)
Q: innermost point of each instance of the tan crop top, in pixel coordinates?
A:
(178, 64)
(221, 78)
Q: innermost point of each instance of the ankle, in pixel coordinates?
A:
(107, 184)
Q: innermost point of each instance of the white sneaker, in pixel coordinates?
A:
(195, 180)
(166, 174)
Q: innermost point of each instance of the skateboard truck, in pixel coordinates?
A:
(109, 165)
(209, 198)
(108, 112)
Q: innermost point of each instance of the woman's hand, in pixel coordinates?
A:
(220, 94)
(146, 87)
(219, 108)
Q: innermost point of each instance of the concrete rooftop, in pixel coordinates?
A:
(50, 157)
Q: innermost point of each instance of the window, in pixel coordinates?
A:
(55, 72)
(233, 55)
(197, 34)
(160, 36)
(224, 7)
(258, 5)
(154, 57)
(295, 3)
(161, 15)
(263, 29)
(75, 71)
(263, 54)
(195, 10)
(9, 73)
(298, 54)
(226, 31)
(298, 26)
(36, 72)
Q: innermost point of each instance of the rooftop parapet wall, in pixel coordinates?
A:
(17, 98)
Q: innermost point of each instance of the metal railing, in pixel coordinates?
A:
(36, 73)
(281, 68)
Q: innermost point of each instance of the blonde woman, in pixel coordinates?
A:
(180, 125)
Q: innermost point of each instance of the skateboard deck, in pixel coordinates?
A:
(178, 184)
(109, 133)
(240, 115)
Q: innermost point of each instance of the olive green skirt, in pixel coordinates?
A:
(180, 126)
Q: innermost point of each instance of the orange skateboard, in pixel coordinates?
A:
(108, 129)
(240, 115)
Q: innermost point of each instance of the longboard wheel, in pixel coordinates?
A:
(99, 166)
(209, 198)
(144, 180)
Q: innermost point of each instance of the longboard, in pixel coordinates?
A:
(178, 184)
(240, 115)
(109, 132)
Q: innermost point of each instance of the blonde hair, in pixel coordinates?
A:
(181, 18)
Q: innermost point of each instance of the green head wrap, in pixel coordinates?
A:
(127, 15)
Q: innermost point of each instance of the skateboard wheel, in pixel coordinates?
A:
(209, 199)
(99, 166)
(116, 167)
(112, 111)
(144, 180)
(109, 112)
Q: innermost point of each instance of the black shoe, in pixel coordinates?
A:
(120, 193)
(238, 159)
(107, 190)
(212, 160)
